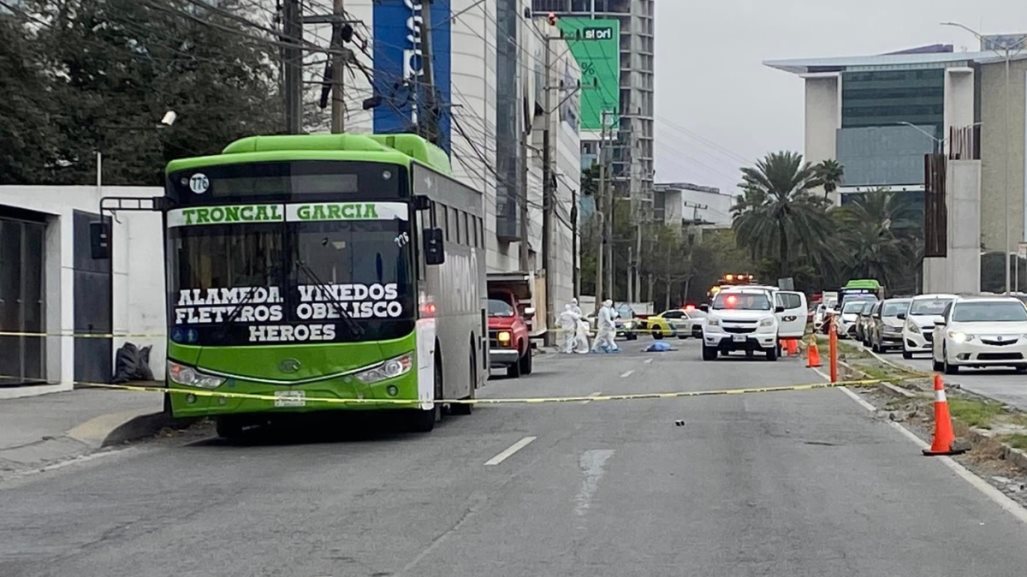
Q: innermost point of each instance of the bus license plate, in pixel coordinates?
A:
(739, 338)
(290, 398)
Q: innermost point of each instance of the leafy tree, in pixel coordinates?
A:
(876, 234)
(830, 173)
(116, 66)
(777, 219)
(27, 138)
(670, 264)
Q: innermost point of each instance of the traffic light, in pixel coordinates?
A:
(552, 19)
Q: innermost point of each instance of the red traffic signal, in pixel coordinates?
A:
(552, 19)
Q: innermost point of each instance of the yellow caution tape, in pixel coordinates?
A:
(496, 401)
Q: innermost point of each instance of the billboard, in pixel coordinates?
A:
(595, 44)
(398, 70)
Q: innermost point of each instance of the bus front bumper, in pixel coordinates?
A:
(236, 396)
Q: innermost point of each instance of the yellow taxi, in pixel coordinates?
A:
(675, 322)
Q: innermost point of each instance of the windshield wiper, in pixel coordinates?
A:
(243, 302)
(354, 328)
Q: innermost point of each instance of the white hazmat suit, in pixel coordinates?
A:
(606, 330)
(569, 327)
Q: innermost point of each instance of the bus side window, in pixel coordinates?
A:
(460, 232)
(467, 230)
(481, 232)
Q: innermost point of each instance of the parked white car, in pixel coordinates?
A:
(741, 319)
(918, 327)
(845, 321)
(981, 332)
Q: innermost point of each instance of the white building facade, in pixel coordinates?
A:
(64, 302)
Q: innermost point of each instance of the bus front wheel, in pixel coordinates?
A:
(229, 427)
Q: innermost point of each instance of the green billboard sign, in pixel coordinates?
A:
(595, 44)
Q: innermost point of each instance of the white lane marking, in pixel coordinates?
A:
(998, 497)
(593, 395)
(627, 374)
(593, 465)
(509, 451)
(858, 400)
(647, 361)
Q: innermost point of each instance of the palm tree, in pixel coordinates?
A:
(776, 216)
(878, 232)
(830, 173)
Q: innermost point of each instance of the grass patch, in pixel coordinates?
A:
(975, 413)
(1015, 441)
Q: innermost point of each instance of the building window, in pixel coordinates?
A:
(890, 97)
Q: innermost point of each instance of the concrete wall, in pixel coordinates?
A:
(823, 116)
(959, 99)
(1003, 139)
(960, 271)
(137, 241)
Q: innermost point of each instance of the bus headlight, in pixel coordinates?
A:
(390, 369)
(190, 377)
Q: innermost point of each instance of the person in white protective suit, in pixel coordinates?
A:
(575, 307)
(606, 330)
(581, 342)
(569, 327)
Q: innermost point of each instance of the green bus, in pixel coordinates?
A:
(310, 267)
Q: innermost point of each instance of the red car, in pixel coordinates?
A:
(509, 339)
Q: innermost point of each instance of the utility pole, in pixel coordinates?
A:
(611, 212)
(292, 57)
(575, 265)
(601, 211)
(338, 68)
(522, 207)
(547, 192)
(428, 118)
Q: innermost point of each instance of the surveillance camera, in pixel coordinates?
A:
(169, 118)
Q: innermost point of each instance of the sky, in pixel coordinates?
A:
(718, 107)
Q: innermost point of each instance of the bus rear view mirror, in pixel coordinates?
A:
(434, 249)
(100, 239)
(421, 202)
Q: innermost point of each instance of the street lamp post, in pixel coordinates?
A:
(938, 142)
(1006, 53)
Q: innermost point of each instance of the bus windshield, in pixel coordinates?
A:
(291, 282)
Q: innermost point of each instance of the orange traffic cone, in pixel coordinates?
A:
(943, 435)
(793, 347)
(813, 354)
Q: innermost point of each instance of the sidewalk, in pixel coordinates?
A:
(47, 429)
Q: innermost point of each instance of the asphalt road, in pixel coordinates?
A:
(1001, 384)
(782, 484)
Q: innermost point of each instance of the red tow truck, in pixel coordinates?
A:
(511, 321)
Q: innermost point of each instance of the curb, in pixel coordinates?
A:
(1015, 456)
(144, 426)
(1011, 454)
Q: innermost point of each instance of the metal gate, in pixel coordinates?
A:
(22, 298)
(92, 306)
